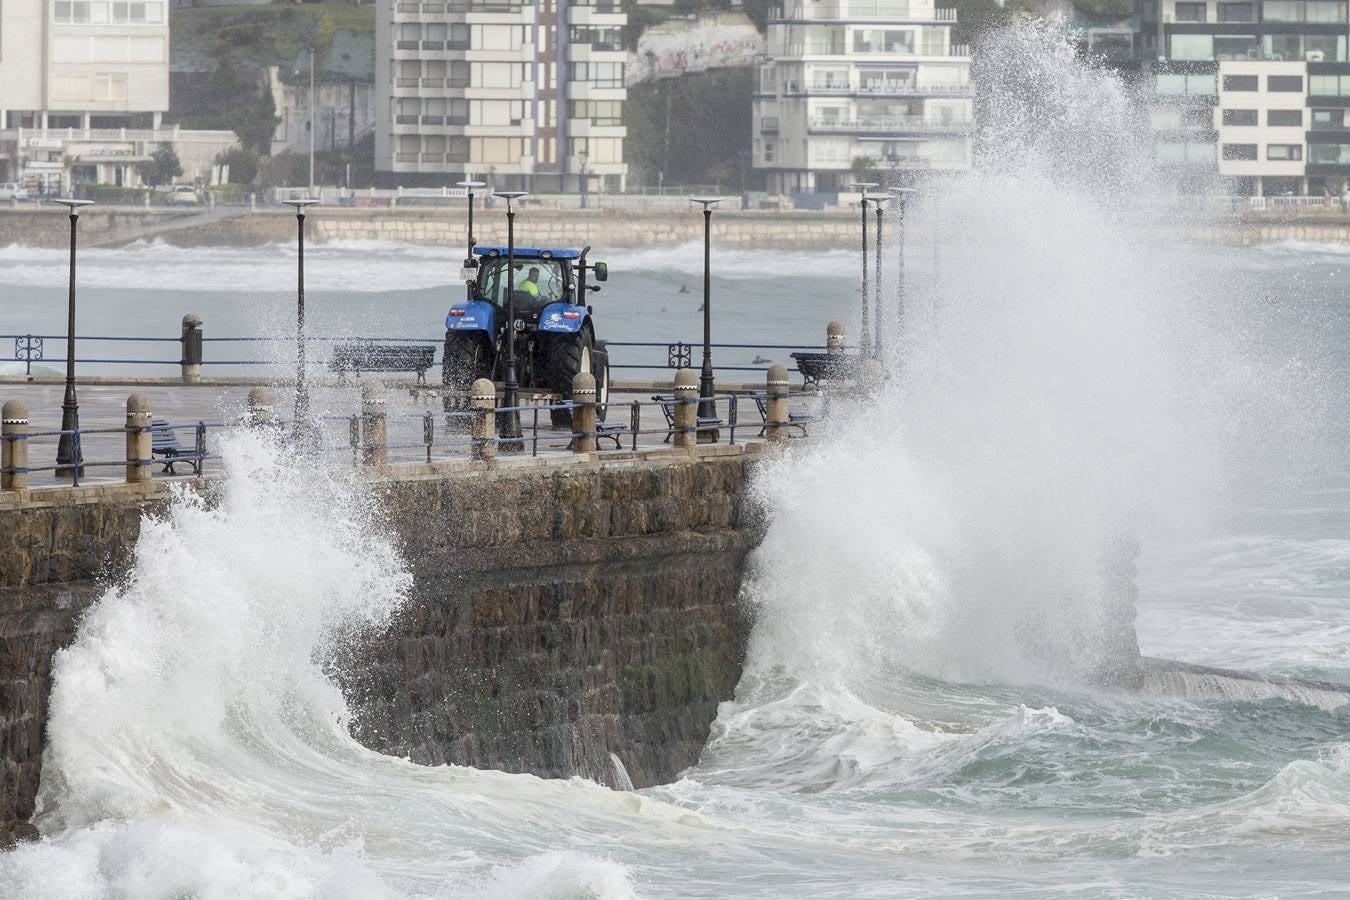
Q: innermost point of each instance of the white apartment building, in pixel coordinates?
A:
(76, 77)
(1250, 91)
(522, 95)
(847, 79)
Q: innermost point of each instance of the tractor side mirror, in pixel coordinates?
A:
(469, 271)
(601, 272)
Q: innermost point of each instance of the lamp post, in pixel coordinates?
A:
(69, 457)
(311, 121)
(878, 200)
(301, 389)
(865, 334)
(584, 158)
(901, 196)
(470, 264)
(508, 425)
(707, 406)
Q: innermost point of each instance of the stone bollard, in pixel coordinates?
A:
(583, 416)
(260, 408)
(373, 426)
(483, 429)
(777, 416)
(14, 446)
(686, 409)
(138, 439)
(192, 347)
(834, 338)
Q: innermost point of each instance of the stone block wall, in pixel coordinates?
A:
(562, 611)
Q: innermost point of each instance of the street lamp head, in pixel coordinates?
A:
(878, 199)
(708, 202)
(899, 191)
(509, 196)
(470, 184)
(864, 186)
(74, 205)
(300, 203)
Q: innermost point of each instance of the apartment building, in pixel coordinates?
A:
(844, 80)
(75, 75)
(523, 95)
(1249, 92)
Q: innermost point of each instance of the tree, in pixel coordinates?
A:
(162, 167)
(863, 167)
(243, 164)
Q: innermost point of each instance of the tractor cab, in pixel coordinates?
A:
(540, 278)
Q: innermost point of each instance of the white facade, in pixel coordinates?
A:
(522, 95)
(80, 67)
(848, 79)
(1262, 121)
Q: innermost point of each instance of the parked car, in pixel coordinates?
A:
(182, 195)
(12, 191)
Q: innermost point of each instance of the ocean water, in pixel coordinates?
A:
(918, 715)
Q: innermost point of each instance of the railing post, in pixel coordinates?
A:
(260, 408)
(138, 439)
(686, 409)
(583, 414)
(14, 446)
(483, 429)
(777, 416)
(373, 424)
(834, 338)
(192, 347)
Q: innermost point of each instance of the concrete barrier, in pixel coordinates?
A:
(192, 347)
(14, 446)
(777, 415)
(686, 409)
(483, 429)
(583, 416)
(834, 338)
(373, 424)
(261, 411)
(140, 442)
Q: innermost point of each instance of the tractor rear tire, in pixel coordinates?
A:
(466, 359)
(565, 357)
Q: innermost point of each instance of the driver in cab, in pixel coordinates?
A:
(531, 283)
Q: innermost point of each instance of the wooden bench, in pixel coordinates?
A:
(164, 444)
(367, 357)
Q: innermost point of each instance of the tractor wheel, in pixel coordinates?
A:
(466, 359)
(565, 357)
(600, 367)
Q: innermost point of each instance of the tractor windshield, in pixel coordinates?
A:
(537, 282)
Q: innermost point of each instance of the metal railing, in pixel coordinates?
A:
(648, 356)
(446, 435)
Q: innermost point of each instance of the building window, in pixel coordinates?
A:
(1241, 117)
(1241, 83)
(1301, 47)
(1328, 119)
(1191, 46)
(1285, 83)
(1285, 117)
(599, 74)
(1322, 11)
(1285, 152)
(1239, 151)
(1185, 153)
(599, 112)
(1236, 12)
(1235, 46)
(1329, 154)
(110, 86)
(1190, 12)
(1177, 85)
(769, 151)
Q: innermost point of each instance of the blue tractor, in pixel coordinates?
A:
(554, 331)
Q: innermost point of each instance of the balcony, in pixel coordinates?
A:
(893, 89)
(888, 126)
(861, 54)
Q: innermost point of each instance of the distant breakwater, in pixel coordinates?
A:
(603, 229)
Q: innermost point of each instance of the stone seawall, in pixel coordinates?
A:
(444, 227)
(562, 615)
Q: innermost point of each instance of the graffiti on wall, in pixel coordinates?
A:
(696, 44)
